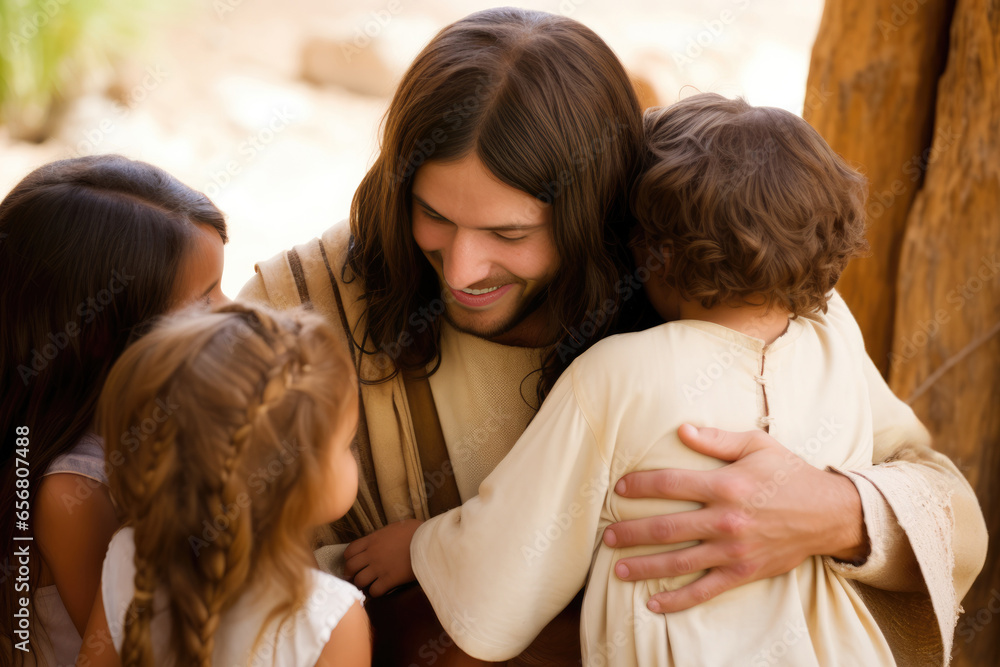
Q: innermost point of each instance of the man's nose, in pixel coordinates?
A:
(466, 261)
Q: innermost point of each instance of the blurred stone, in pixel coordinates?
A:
(127, 76)
(252, 103)
(351, 63)
(367, 52)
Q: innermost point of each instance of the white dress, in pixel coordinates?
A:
(297, 644)
(497, 569)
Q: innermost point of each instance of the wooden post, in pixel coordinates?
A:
(946, 343)
(871, 89)
(910, 91)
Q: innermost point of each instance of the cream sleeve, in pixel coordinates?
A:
(891, 564)
(902, 446)
(501, 566)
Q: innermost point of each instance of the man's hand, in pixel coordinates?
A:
(763, 515)
(382, 559)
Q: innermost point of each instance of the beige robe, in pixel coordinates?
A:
(916, 607)
(498, 568)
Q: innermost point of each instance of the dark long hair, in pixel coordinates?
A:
(90, 249)
(548, 108)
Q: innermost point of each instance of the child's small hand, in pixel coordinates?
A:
(382, 559)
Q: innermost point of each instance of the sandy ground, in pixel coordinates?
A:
(216, 96)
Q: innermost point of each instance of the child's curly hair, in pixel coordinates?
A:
(751, 204)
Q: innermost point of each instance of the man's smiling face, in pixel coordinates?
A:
(491, 246)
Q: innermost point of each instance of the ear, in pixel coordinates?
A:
(659, 258)
(655, 256)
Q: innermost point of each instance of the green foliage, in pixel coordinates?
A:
(49, 49)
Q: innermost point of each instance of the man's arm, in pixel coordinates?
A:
(815, 513)
(902, 441)
(856, 522)
(811, 511)
(912, 492)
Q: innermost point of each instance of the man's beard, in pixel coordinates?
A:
(504, 327)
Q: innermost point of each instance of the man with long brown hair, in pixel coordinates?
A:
(486, 248)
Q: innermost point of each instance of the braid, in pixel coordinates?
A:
(225, 566)
(137, 646)
(244, 378)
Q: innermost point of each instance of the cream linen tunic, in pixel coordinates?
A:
(486, 394)
(501, 566)
(925, 526)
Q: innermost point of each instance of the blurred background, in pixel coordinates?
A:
(272, 108)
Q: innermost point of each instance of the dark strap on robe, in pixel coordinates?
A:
(439, 476)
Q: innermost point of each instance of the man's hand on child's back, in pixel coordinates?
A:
(762, 516)
(382, 560)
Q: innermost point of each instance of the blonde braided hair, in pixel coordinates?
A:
(226, 391)
(137, 649)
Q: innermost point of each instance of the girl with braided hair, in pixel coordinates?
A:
(229, 440)
(91, 250)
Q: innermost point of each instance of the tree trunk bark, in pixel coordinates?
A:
(946, 345)
(872, 83)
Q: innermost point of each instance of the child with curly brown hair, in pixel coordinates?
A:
(228, 440)
(756, 217)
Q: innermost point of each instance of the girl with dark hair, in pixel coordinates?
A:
(92, 249)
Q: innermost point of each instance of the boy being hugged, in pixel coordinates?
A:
(757, 217)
